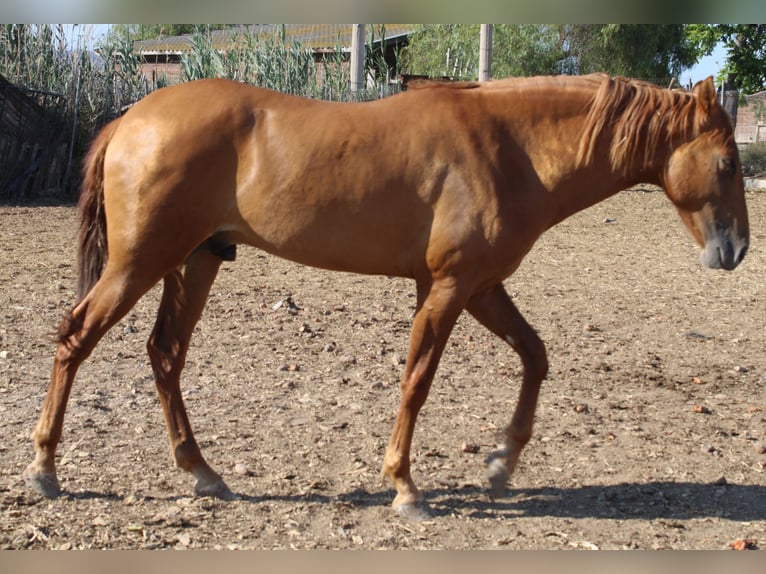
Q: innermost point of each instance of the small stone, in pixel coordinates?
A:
(581, 408)
(3, 354)
(743, 544)
(184, 539)
(470, 447)
(241, 469)
(701, 409)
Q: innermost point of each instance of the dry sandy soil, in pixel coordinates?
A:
(650, 430)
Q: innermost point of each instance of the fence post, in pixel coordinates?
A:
(730, 98)
(485, 52)
(357, 57)
(68, 171)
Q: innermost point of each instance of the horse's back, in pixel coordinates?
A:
(328, 184)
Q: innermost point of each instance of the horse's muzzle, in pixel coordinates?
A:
(724, 252)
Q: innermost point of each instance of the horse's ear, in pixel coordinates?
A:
(705, 92)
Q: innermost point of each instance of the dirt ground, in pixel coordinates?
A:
(650, 429)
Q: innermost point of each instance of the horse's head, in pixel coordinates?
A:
(703, 178)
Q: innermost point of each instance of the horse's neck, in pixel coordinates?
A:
(580, 193)
(588, 185)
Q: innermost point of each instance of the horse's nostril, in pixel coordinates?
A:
(740, 255)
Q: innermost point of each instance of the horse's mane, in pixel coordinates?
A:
(639, 115)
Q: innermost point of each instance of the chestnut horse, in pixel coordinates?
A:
(447, 184)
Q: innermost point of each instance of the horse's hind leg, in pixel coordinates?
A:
(495, 310)
(112, 296)
(183, 298)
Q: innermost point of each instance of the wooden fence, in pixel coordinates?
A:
(34, 144)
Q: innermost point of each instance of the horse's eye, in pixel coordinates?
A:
(727, 165)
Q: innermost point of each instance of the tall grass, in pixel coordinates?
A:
(95, 82)
(275, 63)
(272, 63)
(78, 85)
(82, 84)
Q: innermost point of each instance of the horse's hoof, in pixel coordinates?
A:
(216, 489)
(45, 483)
(498, 476)
(414, 511)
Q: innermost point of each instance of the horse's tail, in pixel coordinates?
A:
(92, 246)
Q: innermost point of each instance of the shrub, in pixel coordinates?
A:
(753, 158)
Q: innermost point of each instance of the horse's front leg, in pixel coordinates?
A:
(438, 308)
(495, 310)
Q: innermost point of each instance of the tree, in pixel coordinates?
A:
(527, 50)
(452, 50)
(746, 51)
(654, 52)
(438, 50)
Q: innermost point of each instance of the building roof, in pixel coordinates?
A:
(317, 37)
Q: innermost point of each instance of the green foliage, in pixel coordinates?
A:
(280, 65)
(637, 50)
(443, 50)
(203, 60)
(284, 67)
(270, 63)
(34, 55)
(745, 48)
(375, 61)
(654, 52)
(527, 50)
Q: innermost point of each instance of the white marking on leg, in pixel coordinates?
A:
(509, 340)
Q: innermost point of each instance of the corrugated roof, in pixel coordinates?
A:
(318, 37)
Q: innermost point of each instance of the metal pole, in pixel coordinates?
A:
(485, 52)
(74, 128)
(357, 57)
